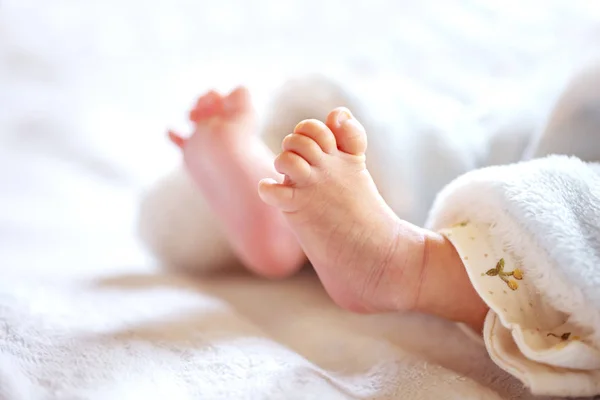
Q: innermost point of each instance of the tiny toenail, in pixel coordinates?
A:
(300, 125)
(343, 116)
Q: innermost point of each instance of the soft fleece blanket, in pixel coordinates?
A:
(84, 314)
(535, 226)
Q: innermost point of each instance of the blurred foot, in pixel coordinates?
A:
(226, 160)
(343, 224)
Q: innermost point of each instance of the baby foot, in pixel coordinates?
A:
(355, 242)
(226, 159)
(367, 258)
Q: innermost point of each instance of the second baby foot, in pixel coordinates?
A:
(226, 160)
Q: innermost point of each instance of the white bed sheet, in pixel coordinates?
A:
(86, 91)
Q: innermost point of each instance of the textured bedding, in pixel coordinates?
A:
(86, 92)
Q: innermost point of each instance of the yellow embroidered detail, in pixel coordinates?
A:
(499, 271)
(517, 274)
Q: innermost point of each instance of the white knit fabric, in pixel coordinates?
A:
(523, 332)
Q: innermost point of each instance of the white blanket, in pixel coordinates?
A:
(542, 219)
(87, 90)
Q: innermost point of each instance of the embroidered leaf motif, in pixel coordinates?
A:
(499, 271)
(500, 265)
(563, 337)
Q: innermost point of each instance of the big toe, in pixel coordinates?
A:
(238, 101)
(349, 133)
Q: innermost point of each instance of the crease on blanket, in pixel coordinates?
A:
(547, 212)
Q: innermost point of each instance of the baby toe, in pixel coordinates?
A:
(238, 101)
(304, 146)
(319, 132)
(177, 139)
(278, 195)
(349, 134)
(208, 105)
(294, 167)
